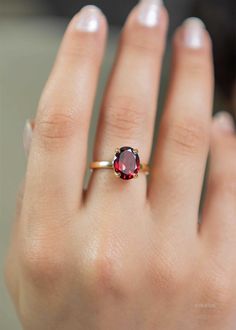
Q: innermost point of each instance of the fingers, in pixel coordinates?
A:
(129, 106)
(182, 148)
(58, 151)
(219, 215)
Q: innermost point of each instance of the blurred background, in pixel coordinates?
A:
(30, 33)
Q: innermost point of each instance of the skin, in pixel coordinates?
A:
(127, 255)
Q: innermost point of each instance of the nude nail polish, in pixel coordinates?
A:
(89, 19)
(27, 136)
(149, 12)
(194, 30)
(225, 122)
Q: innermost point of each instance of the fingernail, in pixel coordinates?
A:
(225, 122)
(27, 136)
(194, 30)
(89, 19)
(150, 12)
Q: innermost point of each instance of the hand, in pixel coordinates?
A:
(128, 254)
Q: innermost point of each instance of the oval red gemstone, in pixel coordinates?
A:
(126, 163)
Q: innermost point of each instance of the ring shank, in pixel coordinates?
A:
(109, 165)
(101, 165)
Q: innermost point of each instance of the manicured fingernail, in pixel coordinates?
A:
(194, 30)
(27, 136)
(89, 19)
(149, 12)
(225, 122)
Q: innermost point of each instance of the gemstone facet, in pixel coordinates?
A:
(126, 163)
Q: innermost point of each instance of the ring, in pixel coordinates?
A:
(126, 164)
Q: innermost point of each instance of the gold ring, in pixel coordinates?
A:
(126, 164)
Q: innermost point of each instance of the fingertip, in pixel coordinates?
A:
(85, 36)
(146, 27)
(148, 15)
(193, 36)
(223, 133)
(193, 31)
(90, 19)
(223, 123)
(89, 25)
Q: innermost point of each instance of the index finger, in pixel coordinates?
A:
(58, 152)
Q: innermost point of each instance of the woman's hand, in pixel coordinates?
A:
(128, 254)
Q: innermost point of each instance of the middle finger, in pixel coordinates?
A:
(129, 106)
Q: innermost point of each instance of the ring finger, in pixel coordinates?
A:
(183, 142)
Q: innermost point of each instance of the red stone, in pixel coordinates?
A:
(126, 163)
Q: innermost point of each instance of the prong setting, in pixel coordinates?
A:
(118, 175)
(117, 151)
(126, 163)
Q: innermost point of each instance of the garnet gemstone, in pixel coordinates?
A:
(126, 163)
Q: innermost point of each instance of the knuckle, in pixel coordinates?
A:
(168, 276)
(85, 50)
(195, 66)
(105, 274)
(188, 137)
(217, 288)
(101, 276)
(124, 118)
(144, 47)
(42, 262)
(56, 127)
(142, 43)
